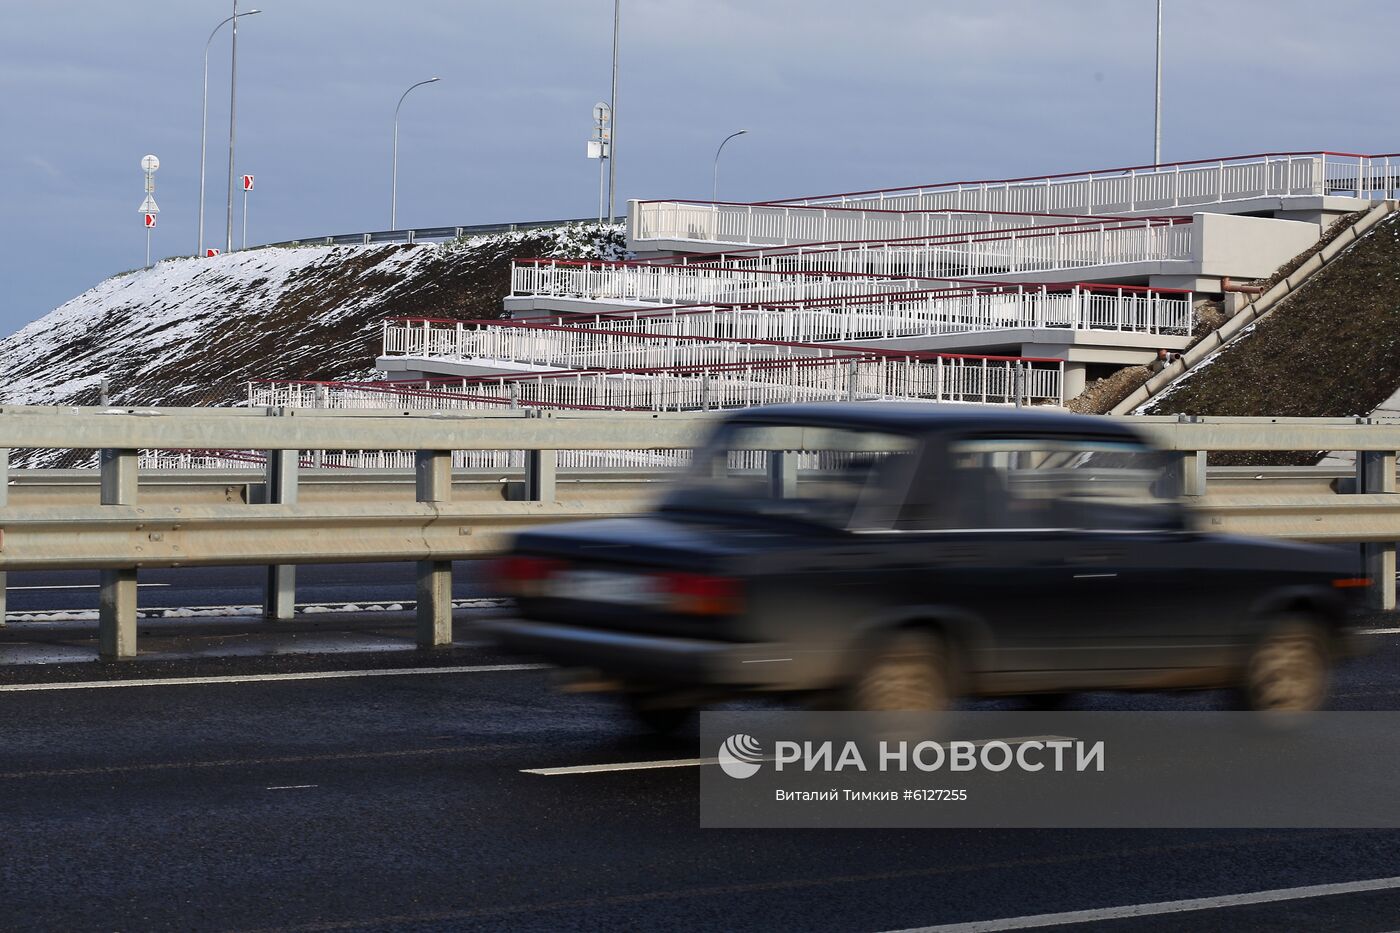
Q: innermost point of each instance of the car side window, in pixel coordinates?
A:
(1009, 482)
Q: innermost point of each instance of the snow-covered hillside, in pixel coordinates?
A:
(194, 331)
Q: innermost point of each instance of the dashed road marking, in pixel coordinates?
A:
(293, 786)
(623, 766)
(76, 586)
(1163, 907)
(263, 678)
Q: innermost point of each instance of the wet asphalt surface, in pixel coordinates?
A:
(399, 803)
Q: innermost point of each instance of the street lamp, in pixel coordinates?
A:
(1157, 110)
(612, 111)
(204, 126)
(394, 195)
(232, 126)
(714, 192)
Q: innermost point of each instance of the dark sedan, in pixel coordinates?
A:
(894, 556)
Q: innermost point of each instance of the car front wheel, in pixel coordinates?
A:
(906, 671)
(1289, 668)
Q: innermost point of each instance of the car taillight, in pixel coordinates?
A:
(1351, 583)
(702, 595)
(519, 575)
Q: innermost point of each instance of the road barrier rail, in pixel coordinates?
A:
(129, 530)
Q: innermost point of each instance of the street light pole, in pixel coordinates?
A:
(204, 126)
(1157, 111)
(714, 192)
(612, 109)
(232, 125)
(394, 183)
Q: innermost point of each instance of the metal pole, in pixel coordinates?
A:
(204, 126)
(232, 126)
(714, 191)
(612, 109)
(148, 247)
(245, 219)
(1157, 110)
(394, 181)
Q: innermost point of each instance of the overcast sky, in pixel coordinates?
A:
(837, 95)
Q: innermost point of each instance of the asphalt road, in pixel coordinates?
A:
(400, 803)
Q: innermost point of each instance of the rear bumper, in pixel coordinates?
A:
(648, 658)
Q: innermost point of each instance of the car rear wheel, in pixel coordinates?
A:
(1288, 669)
(907, 671)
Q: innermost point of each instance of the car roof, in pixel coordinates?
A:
(924, 417)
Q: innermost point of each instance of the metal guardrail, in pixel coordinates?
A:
(126, 532)
(428, 233)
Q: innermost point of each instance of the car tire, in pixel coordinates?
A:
(658, 712)
(1288, 669)
(908, 670)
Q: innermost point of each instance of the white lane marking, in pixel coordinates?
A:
(1094, 576)
(1163, 907)
(261, 678)
(766, 660)
(77, 586)
(623, 766)
(1378, 631)
(697, 762)
(293, 786)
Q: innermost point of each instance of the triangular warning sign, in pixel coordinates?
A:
(148, 206)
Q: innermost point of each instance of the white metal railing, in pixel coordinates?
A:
(854, 269)
(977, 380)
(642, 283)
(694, 336)
(782, 225)
(1159, 188)
(571, 347)
(971, 256)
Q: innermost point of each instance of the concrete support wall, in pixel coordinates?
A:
(1247, 247)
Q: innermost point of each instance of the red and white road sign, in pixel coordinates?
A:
(210, 253)
(150, 220)
(247, 182)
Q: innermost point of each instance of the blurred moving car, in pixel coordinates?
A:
(891, 556)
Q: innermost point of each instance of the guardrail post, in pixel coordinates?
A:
(4, 501)
(116, 597)
(1375, 473)
(1193, 473)
(782, 474)
(433, 470)
(280, 587)
(540, 475)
